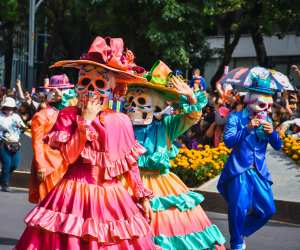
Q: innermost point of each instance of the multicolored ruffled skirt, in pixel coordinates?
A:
(83, 213)
(178, 221)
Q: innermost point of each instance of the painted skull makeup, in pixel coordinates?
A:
(94, 83)
(259, 105)
(143, 104)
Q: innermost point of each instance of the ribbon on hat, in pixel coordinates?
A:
(110, 51)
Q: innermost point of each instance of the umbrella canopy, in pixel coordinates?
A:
(243, 77)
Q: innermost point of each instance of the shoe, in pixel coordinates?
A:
(5, 188)
(244, 245)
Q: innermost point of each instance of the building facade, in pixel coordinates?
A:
(282, 54)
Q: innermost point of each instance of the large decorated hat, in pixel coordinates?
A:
(158, 78)
(260, 81)
(109, 53)
(59, 82)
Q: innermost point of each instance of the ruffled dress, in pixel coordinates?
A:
(178, 220)
(89, 209)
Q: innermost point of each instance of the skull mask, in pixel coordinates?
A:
(94, 83)
(142, 104)
(259, 105)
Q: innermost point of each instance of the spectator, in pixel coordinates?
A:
(11, 126)
(296, 70)
(291, 127)
(198, 81)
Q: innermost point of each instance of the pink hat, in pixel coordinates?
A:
(60, 82)
(109, 53)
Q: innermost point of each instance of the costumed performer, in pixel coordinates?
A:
(178, 220)
(90, 209)
(245, 181)
(48, 166)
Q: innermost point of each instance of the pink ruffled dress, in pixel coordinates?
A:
(89, 209)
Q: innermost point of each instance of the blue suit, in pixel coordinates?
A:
(245, 181)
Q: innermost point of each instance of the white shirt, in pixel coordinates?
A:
(11, 127)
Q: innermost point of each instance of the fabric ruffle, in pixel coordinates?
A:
(183, 202)
(188, 108)
(158, 160)
(37, 239)
(57, 137)
(113, 168)
(207, 239)
(177, 215)
(112, 231)
(105, 212)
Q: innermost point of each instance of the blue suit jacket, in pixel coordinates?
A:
(247, 150)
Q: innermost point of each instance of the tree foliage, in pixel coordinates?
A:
(171, 30)
(257, 18)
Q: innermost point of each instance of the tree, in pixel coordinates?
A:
(257, 18)
(169, 30)
(9, 18)
(225, 16)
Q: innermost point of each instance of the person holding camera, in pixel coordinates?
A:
(11, 127)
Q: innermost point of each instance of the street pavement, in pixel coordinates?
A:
(285, 175)
(14, 207)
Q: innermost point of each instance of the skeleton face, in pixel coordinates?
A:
(94, 83)
(142, 104)
(56, 96)
(260, 104)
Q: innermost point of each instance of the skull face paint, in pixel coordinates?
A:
(142, 104)
(94, 83)
(259, 104)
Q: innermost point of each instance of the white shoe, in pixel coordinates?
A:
(244, 245)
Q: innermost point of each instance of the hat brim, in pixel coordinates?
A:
(259, 90)
(58, 87)
(170, 93)
(121, 75)
(8, 106)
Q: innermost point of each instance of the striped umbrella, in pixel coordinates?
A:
(243, 76)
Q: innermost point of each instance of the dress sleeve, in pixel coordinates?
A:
(37, 130)
(134, 181)
(178, 124)
(70, 135)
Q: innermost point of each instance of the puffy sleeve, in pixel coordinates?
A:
(38, 132)
(133, 179)
(124, 151)
(178, 124)
(70, 134)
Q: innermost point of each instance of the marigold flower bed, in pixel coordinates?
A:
(291, 147)
(197, 166)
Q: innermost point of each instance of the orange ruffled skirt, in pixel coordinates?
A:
(178, 220)
(84, 213)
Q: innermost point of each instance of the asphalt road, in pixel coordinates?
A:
(274, 236)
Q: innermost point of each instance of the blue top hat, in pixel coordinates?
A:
(261, 85)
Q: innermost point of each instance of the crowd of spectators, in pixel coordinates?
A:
(226, 99)
(208, 131)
